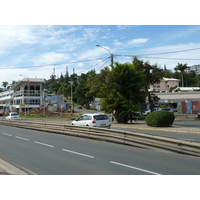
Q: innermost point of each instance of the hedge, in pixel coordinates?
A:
(160, 118)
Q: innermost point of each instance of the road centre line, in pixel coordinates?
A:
(7, 134)
(48, 145)
(21, 138)
(116, 163)
(81, 154)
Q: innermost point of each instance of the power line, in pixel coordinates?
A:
(103, 65)
(169, 52)
(54, 64)
(94, 65)
(171, 58)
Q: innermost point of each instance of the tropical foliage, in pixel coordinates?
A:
(123, 88)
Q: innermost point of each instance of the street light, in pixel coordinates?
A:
(111, 55)
(71, 95)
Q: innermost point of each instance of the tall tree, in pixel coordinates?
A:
(5, 84)
(151, 74)
(181, 68)
(123, 87)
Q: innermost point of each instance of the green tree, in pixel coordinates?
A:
(151, 75)
(5, 84)
(123, 91)
(181, 68)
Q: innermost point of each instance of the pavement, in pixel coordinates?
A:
(9, 169)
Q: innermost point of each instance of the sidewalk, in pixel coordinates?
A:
(8, 169)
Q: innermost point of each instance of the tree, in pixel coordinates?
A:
(151, 75)
(123, 87)
(181, 68)
(5, 84)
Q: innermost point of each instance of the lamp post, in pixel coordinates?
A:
(111, 55)
(71, 95)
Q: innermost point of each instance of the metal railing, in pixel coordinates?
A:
(110, 135)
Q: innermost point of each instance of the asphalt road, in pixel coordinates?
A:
(187, 130)
(48, 154)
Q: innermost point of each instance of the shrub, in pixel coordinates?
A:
(160, 118)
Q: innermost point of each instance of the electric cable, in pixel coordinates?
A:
(92, 66)
(53, 64)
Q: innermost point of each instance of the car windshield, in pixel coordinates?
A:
(14, 114)
(100, 117)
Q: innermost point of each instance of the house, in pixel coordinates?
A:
(164, 85)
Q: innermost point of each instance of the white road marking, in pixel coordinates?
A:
(7, 134)
(21, 138)
(48, 145)
(116, 163)
(81, 154)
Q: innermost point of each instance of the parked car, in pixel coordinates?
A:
(146, 112)
(166, 109)
(79, 107)
(94, 119)
(13, 115)
(199, 113)
(174, 109)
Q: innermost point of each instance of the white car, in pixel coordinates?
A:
(95, 120)
(13, 115)
(146, 112)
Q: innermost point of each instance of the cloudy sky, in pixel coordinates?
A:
(35, 50)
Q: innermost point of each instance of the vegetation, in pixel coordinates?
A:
(123, 88)
(160, 118)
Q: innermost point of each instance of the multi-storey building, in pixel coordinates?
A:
(164, 85)
(26, 94)
(195, 68)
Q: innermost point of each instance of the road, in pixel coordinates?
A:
(46, 153)
(180, 131)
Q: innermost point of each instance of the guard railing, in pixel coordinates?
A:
(111, 135)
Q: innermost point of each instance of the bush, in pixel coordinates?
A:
(160, 118)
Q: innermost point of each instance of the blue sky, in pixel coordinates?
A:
(34, 50)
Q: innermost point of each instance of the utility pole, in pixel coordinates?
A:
(111, 55)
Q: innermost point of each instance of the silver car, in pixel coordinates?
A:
(95, 120)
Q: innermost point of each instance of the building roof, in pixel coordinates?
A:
(178, 96)
(28, 80)
(170, 79)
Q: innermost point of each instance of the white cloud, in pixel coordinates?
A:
(138, 41)
(117, 43)
(50, 57)
(179, 57)
(94, 53)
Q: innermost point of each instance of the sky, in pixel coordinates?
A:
(36, 50)
(40, 38)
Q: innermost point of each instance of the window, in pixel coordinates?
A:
(101, 117)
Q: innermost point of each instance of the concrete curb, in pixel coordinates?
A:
(9, 169)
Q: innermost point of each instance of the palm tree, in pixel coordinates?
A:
(181, 68)
(5, 84)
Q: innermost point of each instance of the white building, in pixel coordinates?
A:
(195, 68)
(26, 94)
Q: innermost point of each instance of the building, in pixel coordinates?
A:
(26, 94)
(164, 85)
(195, 68)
